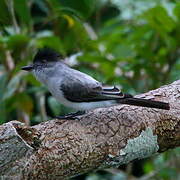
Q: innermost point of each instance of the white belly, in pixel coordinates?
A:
(89, 105)
(58, 94)
(82, 105)
(54, 88)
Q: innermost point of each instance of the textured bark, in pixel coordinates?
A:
(105, 137)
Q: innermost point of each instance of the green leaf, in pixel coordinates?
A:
(148, 167)
(18, 41)
(50, 41)
(5, 18)
(168, 173)
(23, 11)
(54, 105)
(84, 8)
(21, 101)
(123, 51)
(177, 11)
(12, 86)
(159, 19)
(3, 81)
(31, 79)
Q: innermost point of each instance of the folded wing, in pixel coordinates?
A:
(77, 91)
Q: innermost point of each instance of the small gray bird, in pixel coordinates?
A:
(78, 90)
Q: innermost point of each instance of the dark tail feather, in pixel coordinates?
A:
(144, 103)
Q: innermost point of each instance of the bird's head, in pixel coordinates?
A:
(44, 58)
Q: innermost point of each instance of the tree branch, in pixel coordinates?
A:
(102, 138)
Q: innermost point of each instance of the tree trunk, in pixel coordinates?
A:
(105, 137)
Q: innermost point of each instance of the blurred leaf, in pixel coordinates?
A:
(159, 161)
(42, 5)
(3, 81)
(70, 20)
(92, 57)
(54, 105)
(177, 10)
(12, 86)
(21, 101)
(148, 167)
(54, 4)
(50, 41)
(85, 8)
(23, 11)
(123, 51)
(18, 41)
(26, 103)
(168, 173)
(5, 18)
(32, 80)
(159, 19)
(175, 71)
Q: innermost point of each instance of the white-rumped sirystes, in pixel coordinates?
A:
(78, 90)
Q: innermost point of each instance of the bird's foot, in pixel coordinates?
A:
(71, 116)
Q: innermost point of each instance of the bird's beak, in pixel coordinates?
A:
(28, 68)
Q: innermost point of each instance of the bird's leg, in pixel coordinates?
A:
(71, 116)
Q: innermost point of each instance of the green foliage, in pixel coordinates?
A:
(133, 44)
(23, 12)
(4, 15)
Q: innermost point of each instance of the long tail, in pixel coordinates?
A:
(144, 103)
(115, 93)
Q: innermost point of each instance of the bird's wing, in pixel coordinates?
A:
(76, 91)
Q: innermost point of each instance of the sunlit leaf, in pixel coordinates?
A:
(12, 86)
(177, 10)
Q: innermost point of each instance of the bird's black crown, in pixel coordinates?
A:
(46, 55)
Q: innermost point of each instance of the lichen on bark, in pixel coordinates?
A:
(101, 138)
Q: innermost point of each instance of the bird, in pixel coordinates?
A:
(78, 90)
